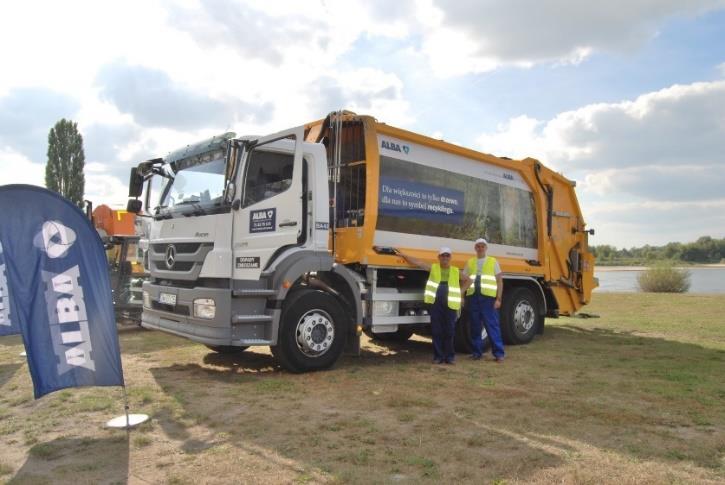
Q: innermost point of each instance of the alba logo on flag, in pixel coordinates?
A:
(55, 239)
(64, 296)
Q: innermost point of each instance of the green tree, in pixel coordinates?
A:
(64, 170)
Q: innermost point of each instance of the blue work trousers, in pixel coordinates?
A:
(483, 314)
(443, 326)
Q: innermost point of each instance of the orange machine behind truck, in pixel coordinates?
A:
(285, 240)
(117, 228)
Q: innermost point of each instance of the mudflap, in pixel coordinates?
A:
(352, 346)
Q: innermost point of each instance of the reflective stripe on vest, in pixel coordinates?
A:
(488, 276)
(454, 287)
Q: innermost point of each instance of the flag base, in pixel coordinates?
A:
(132, 420)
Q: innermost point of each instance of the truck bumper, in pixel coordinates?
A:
(179, 319)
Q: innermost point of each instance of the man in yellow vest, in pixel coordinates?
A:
(443, 295)
(483, 285)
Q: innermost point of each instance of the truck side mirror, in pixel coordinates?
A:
(134, 206)
(135, 183)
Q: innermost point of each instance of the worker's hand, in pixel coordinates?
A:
(497, 303)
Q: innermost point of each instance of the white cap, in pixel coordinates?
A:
(444, 250)
(481, 240)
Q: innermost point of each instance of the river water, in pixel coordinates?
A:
(702, 280)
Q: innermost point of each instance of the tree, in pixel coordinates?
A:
(64, 170)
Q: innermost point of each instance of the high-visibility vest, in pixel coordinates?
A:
(488, 276)
(454, 287)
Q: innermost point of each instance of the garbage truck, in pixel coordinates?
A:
(287, 240)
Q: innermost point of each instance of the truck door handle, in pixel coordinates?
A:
(288, 224)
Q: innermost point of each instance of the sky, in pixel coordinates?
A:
(627, 98)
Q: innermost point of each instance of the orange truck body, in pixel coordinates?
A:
(562, 262)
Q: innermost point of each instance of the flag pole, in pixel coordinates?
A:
(127, 421)
(125, 407)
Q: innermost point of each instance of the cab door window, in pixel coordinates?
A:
(267, 174)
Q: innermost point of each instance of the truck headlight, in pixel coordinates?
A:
(146, 299)
(385, 308)
(204, 308)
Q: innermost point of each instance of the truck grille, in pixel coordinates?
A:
(178, 266)
(178, 261)
(181, 248)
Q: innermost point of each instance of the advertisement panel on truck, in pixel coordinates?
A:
(427, 195)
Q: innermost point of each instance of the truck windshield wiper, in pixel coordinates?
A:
(198, 209)
(187, 201)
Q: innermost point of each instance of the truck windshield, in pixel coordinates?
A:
(196, 183)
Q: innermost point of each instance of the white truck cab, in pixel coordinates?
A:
(239, 222)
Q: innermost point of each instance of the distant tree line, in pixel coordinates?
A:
(704, 250)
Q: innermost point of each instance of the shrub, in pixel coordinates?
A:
(664, 279)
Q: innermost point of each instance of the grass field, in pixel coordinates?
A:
(635, 396)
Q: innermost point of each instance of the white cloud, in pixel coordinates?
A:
(102, 188)
(662, 152)
(634, 224)
(363, 90)
(660, 184)
(683, 124)
(462, 36)
(15, 168)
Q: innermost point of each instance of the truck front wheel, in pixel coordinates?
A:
(312, 332)
(520, 316)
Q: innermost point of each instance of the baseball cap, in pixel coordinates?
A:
(444, 250)
(481, 240)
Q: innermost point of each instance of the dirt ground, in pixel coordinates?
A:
(635, 396)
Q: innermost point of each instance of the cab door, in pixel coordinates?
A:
(269, 209)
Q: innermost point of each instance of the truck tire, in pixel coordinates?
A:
(400, 335)
(312, 333)
(463, 335)
(226, 349)
(520, 316)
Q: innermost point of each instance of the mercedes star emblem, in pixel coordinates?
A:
(170, 255)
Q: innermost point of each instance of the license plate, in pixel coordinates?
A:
(167, 299)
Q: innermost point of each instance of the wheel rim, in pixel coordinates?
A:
(315, 333)
(524, 317)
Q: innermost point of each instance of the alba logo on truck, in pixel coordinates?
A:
(389, 145)
(260, 215)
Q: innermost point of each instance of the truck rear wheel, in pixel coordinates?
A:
(226, 349)
(463, 335)
(312, 333)
(520, 316)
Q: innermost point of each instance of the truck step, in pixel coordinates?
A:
(251, 318)
(254, 293)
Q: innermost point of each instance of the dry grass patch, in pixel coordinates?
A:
(631, 397)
